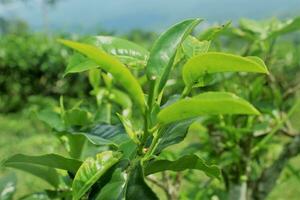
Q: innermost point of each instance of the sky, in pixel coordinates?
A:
(83, 16)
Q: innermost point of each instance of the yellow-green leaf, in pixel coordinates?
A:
(112, 65)
(209, 103)
(214, 62)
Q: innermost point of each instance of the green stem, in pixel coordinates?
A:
(152, 146)
(186, 91)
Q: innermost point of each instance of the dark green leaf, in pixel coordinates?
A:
(114, 189)
(183, 163)
(173, 133)
(137, 188)
(48, 160)
(107, 134)
(48, 174)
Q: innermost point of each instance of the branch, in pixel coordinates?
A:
(160, 184)
(269, 176)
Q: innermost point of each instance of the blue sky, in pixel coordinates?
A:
(123, 15)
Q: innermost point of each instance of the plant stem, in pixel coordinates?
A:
(186, 91)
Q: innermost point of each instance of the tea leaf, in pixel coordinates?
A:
(47, 160)
(137, 188)
(128, 52)
(209, 103)
(91, 170)
(183, 163)
(213, 62)
(164, 50)
(112, 65)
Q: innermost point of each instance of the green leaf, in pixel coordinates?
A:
(106, 134)
(48, 174)
(8, 186)
(112, 65)
(191, 46)
(75, 144)
(137, 188)
(164, 50)
(260, 28)
(77, 117)
(94, 78)
(79, 63)
(91, 170)
(120, 98)
(48, 160)
(294, 118)
(182, 163)
(114, 189)
(172, 133)
(287, 27)
(52, 119)
(213, 32)
(129, 128)
(213, 62)
(126, 51)
(36, 196)
(208, 103)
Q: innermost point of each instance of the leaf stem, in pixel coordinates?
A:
(186, 91)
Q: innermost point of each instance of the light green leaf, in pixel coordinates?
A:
(191, 46)
(287, 27)
(129, 128)
(91, 170)
(257, 27)
(209, 103)
(120, 98)
(112, 65)
(163, 53)
(95, 78)
(182, 163)
(213, 32)
(126, 51)
(213, 62)
(79, 63)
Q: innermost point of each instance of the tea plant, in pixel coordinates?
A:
(113, 148)
(253, 151)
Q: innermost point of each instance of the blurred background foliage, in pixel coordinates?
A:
(31, 78)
